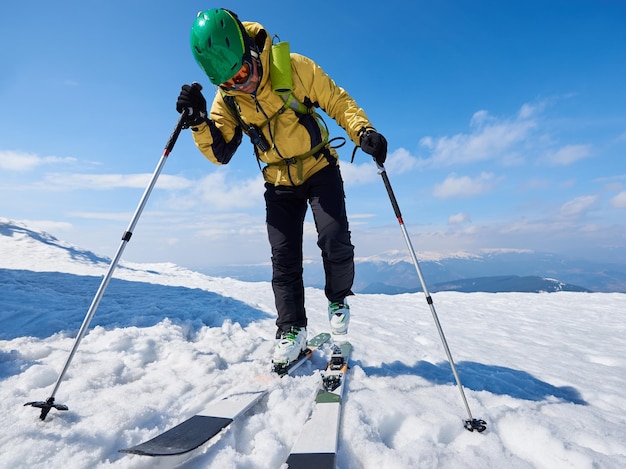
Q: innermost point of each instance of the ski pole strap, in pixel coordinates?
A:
(360, 133)
(356, 147)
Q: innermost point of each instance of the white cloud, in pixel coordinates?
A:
(491, 139)
(535, 184)
(459, 219)
(215, 192)
(610, 179)
(578, 206)
(112, 216)
(509, 141)
(115, 181)
(568, 154)
(529, 110)
(619, 201)
(355, 174)
(401, 161)
(21, 161)
(479, 118)
(227, 225)
(361, 219)
(463, 186)
(398, 162)
(48, 225)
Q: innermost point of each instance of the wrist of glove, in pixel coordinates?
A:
(192, 100)
(374, 144)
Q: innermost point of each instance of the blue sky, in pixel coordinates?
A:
(506, 124)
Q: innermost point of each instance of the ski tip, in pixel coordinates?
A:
(319, 339)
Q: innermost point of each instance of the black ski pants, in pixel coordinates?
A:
(286, 208)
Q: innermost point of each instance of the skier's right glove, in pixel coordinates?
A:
(191, 99)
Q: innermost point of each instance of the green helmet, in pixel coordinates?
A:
(218, 44)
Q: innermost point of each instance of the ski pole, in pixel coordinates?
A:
(471, 423)
(49, 403)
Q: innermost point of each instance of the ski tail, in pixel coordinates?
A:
(317, 445)
(198, 429)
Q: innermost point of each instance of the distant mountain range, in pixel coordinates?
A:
(494, 271)
(489, 271)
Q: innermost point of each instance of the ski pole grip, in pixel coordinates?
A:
(179, 125)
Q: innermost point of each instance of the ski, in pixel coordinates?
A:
(316, 448)
(215, 418)
(197, 430)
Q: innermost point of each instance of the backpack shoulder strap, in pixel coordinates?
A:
(233, 107)
(293, 103)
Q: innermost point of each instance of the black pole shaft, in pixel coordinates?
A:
(429, 300)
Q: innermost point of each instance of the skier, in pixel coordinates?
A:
(300, 165)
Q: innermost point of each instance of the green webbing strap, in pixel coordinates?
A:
(297, 160)
(294, 103)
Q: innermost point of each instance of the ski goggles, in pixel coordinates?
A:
(246, 79)
(242, 78)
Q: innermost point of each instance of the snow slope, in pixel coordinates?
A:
(546, 371)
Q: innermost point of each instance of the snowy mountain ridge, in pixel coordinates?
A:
(22, 248)
(395, 256)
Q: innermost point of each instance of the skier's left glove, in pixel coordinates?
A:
(374, 144)
(191, 99)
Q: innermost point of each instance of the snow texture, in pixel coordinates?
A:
(546, 371)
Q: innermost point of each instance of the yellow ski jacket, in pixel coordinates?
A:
(288, 134)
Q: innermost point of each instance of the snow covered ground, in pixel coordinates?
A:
(546, 371)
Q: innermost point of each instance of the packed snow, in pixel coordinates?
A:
(547, 372)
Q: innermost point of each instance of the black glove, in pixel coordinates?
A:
(374, 144)
(191, 98)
